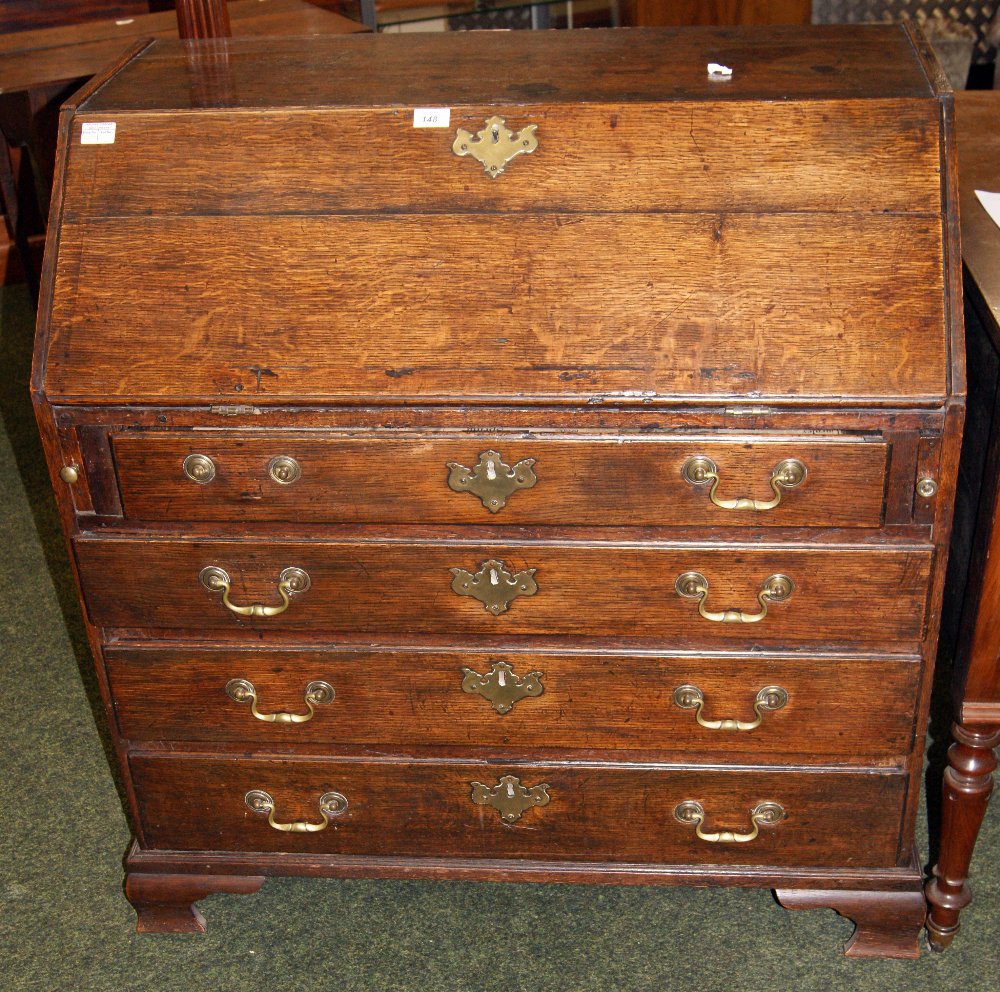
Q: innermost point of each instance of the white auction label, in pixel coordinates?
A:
(99, 133)
(431, 116)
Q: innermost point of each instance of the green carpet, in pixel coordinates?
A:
(64, 923)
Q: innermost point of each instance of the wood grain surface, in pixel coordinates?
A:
(638, 307)
(585, 479)
(583, 589)
(599, 812)
(848, 707)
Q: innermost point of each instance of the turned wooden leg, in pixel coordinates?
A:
(165, 903)
(886, 924)
(968, 782)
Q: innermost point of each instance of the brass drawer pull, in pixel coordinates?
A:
(692, 813)
(290, 582)
(284, 470)
(331, 804)
(199, 468)
(694, 585)
(787, 474)
(690, 697)
(509, 798)
(493, 585)
(492, 480)
(495, 145)
(501, 687)
(316, 694)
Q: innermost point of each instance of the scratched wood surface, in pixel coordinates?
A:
(616, 700)
(499, 308)
(405, 588)
(604, 813)
(597, 480)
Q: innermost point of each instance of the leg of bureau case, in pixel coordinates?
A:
(968, 782)
(886, 924)
(165, 903)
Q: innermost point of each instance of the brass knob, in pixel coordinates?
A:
(693, 585)
(199, 468)
(690, 697)
(787, 474)
(692, 813)
(69, 474)
(331, 804)
(290, 582)
(284, 470)
(927, 488)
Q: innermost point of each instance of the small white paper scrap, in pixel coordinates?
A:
(431, 116)
(991, 201)
(716, 71)
(98, 133)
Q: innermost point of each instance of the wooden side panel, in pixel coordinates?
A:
(558, 307)
(583, 480)
(406, 588)
(852, 708)
(867, 156)
(601, 813)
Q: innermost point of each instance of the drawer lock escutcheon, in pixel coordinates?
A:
(331, 804)
(316, 694)
(491, 479)
(787, 474)
(509, 798)
(690, 697)
(692, 813)
(291, 582)
(501, 687)
(493, 585)
(694, 585)
(495, 145)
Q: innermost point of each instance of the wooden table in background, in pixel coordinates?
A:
(968, 779)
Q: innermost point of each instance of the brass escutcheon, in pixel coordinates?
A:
(284, 470)
(699, 470)
(316, 694)
(694, 585)
(331, 804)
(692, 813)
(493, 585)
(496, 144)
(491, 480)
(509, 798)
(199, 468)
(291, 581)
(690, 697)
(501, 687)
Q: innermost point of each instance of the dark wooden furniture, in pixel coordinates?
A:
(574, 495)
(968, 781)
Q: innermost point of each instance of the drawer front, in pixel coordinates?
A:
(599, 813)
(832, 706)
(596, 481)
(409, 587)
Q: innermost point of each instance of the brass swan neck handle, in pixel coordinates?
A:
(291, 581)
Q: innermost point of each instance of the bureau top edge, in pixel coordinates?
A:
(555, 67)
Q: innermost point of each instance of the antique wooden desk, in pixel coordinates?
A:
(968, 780)
(558, 489)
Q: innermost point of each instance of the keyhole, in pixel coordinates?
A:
(496, 135)
(491, 470)
(510, 789)
(494, 578)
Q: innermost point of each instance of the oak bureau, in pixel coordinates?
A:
(512, 456)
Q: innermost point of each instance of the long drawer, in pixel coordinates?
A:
(585, 480)
(810, 707)
(465, 588)
(595, 812)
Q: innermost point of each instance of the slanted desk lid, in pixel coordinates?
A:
(652, 248)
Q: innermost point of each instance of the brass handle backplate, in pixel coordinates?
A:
(692, 813)
(694, 585)
(493, 585)
(495, 145)
(331, 804)
(690, 697)
(509, 798)
(700, 470)
(291, 581)
(284, 470)
(501, 687)
(492, 480)
(316, 694)
(199, 468)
